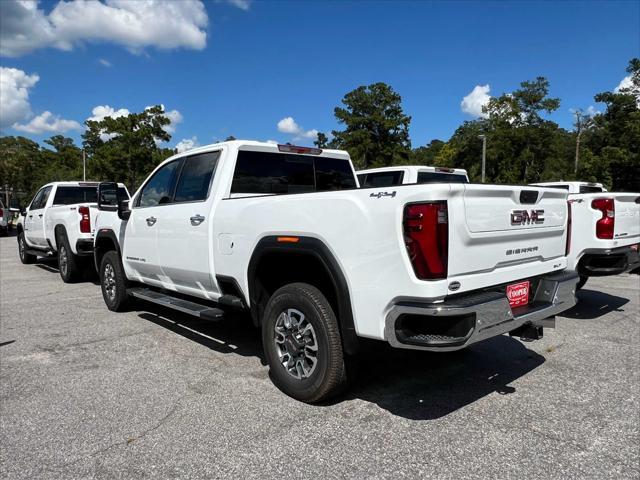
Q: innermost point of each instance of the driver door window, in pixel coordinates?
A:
(159, 189)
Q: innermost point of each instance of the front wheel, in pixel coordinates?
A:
(302, 344)
(113, 282)
(25, 257)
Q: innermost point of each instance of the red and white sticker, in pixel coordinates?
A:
(518, 294)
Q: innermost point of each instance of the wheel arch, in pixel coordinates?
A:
(307, 260)
(105, 241)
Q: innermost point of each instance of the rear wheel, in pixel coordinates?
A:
(582, 281)
(302, 343)
(25, 257)
(113, 282)
(68, 263)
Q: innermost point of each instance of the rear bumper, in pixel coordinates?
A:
(84, 247)
(458, 323)
(613, 261)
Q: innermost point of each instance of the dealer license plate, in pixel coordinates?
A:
(518, 293)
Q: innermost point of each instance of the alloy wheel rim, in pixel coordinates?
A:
(296, 343)
(62, 260)
(110, 281)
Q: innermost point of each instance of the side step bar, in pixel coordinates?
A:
(39, 253)
(196, 309)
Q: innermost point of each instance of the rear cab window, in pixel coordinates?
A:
(590, 189)
(440, 177)
(272, 173)
(381, 179)
(71, 194)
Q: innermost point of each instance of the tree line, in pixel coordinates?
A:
(522, 145)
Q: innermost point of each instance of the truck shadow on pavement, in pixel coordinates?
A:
(427, 386)
(410, 384)
(593, 304)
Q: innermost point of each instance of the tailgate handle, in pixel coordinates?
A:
(528, 196)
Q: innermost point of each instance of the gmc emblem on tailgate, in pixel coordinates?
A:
(525, 217)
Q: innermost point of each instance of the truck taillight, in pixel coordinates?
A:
(85, 220)
(605, 226)
(568, 245)
(1, 213)
(426, 235)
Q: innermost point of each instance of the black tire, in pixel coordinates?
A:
(113, 282)
(582, 281)
(327, 377)
(4, 231)
(68, 263)
(25, 257)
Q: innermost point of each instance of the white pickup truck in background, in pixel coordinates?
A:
(283, 232)
(390, 176)
(58, 221)
(5, 216)
(605, 229)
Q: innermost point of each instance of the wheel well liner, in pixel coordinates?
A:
(105, 241)
(315, 264)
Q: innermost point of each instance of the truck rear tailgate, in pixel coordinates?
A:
(627, 215)
(505, 226)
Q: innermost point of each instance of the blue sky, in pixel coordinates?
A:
(245, 66)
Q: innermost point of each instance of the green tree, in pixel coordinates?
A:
(376, 130)
(615, 138)
(426, 155)
(20, 159)
(321, 140)
(126, 148)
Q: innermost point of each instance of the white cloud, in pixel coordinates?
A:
(474, 101)
(592, 111)
(187, 144)
(625, 83)
(47, 122)
(105, 63)
(175, 116)
(14, 95)
(241, 4)
(102, 111)
(133, 24)
(289, 125)
(273, 142)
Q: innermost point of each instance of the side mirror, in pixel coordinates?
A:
(23, 212)
(108, 196)
(123, 210)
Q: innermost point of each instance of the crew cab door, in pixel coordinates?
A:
(184, 228)
(139, 252)
(34, 220)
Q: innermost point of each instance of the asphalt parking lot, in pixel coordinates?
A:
(87, 393)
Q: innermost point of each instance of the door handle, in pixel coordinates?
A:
(30, 216)
(151, 221)
(40, 215)
(196, 220)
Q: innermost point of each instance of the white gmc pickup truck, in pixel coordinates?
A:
(605, 229)
(58, 222)
(404, 175)
(285, 232)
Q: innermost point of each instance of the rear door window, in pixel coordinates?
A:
(71, 195)
(281, 173)
(195, 177)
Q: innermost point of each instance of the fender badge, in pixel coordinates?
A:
(453, 286)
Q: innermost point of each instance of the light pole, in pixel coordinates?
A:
(484, 154)
(84, 166)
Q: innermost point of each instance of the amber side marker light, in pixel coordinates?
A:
(288, 239)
